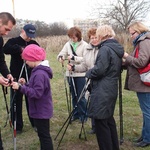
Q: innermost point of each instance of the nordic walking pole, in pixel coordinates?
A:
(82, 127)
(120, 109)
(75, 92)
(66, 92)
(8, 113)
(68, 104)
(71, 114)
(83, 92)
(13, 103)
(13, 106)
(69, 83)
(69, 118)
(26, 72)
(22, 69)
(15, 126)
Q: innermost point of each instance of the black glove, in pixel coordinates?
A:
(72, 67)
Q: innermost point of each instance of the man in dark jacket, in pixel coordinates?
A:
(7, 21)
(18, 68)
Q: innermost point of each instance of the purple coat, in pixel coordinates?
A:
(38, 91)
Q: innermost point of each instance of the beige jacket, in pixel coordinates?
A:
(88, 59)
(88, 62)
(80, 51)
(133, 81)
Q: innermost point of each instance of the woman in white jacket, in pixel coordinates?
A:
(74, 50)
(88, 61)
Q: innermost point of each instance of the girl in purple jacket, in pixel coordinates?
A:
(38, 91)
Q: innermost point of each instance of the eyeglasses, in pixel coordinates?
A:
(133, 33)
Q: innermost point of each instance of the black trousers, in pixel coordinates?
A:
(93, 124)
(18, 99)
(43, 130)
(1, 143)
(106, 134)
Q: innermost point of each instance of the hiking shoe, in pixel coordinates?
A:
(35, 129)
(138, 140)
(19, 131)
(91, 132)
(141, 144)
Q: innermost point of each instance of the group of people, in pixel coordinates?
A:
(101, 63)
(28, 65)
(97, 63)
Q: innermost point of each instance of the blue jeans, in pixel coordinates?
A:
(144, 101)
(79, 106)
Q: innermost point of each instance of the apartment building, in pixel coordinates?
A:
(85, 24)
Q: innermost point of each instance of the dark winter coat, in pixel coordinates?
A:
(3, 67)
(38, 91)
(14, 47)
(104, 79)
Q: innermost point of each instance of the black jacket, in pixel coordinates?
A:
(14, 47)
(3, 67)
(104, 79)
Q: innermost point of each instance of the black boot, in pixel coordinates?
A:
(138, 140)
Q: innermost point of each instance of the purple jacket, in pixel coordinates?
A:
(38, 91)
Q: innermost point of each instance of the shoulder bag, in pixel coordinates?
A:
(144, 72)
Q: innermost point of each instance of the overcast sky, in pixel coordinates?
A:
(51, 11)
(48, 10)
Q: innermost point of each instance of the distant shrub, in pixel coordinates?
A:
(53, 43)
(56, 43)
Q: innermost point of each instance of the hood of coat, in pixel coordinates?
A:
(114, 45)
(44, 65)
(144, 36)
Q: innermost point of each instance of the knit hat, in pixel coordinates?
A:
(33, 52)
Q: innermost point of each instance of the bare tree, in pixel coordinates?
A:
(122, 12)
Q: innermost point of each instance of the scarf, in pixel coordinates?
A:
(135, 41)
(74, 45)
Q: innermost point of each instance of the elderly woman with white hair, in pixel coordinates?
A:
(104, 87)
